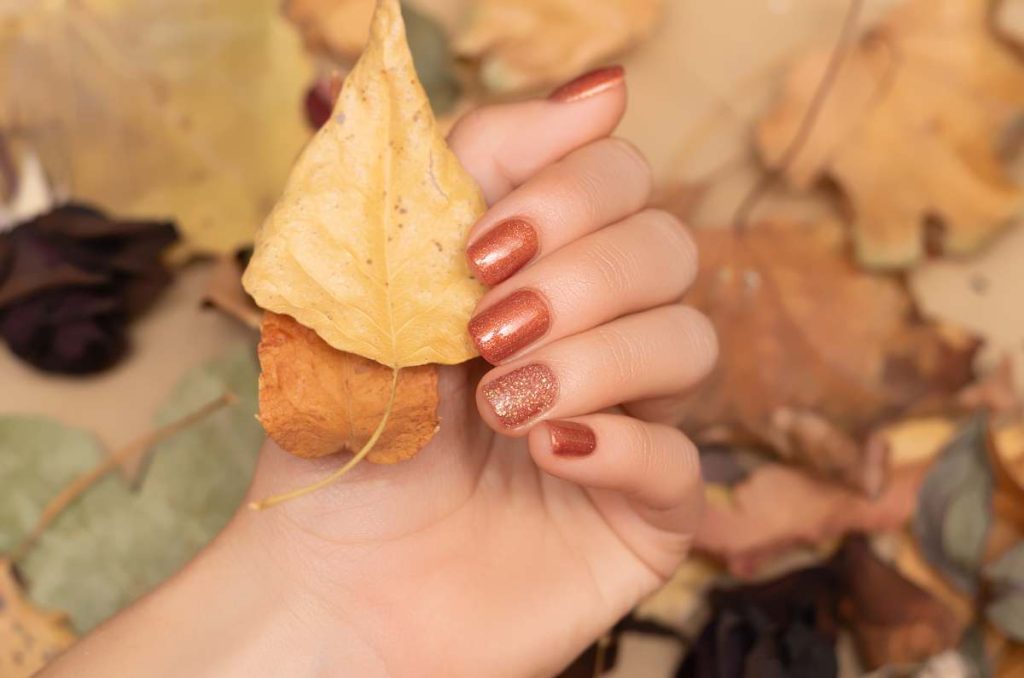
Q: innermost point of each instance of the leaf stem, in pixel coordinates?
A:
(77, 487)
(359, 456)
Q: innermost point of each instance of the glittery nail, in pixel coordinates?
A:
(522, 394)
(589, 84)
(502, 251)
(509, 326)
(569, 439)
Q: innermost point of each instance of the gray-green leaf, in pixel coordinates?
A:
(433, 59)
(1007, 613)
(113, 545)
(955, 507)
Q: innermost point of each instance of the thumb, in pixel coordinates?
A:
(503, 145)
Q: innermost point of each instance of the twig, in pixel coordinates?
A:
(79, 485)
(772, 175)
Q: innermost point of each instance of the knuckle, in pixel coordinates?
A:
(625, 356)
(634, 162)
(680, 244)
(612, 267)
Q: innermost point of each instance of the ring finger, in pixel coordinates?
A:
(655, 353)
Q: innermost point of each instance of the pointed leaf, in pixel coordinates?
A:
(366, 245)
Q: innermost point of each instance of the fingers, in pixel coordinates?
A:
(656, 465)
(592, 187)
(655, 353)
(645, 261)
(503, 145)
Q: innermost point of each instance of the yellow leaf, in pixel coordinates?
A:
(366, 246)
(188, 109)
(29, 637)
(523, 44)
(909, 129)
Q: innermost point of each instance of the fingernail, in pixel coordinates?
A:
(502, 251)
(589, 84)
(569, 439)
(512, 324)
(522, 394)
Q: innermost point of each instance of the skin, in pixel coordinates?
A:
(486, 554)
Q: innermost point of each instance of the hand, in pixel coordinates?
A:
(536, 518)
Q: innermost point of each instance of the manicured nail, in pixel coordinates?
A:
(589, 84)
(569, 439)
(502, 251)
(522, 394)
(512, 324)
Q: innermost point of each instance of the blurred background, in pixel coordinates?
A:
(852, 170)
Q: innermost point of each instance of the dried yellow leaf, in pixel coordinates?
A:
(366, 246)
(909, 130)
(188, 109)
(29, 637)
(524, 44)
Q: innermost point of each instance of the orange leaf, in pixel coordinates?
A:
(316, 400)
(814, 352)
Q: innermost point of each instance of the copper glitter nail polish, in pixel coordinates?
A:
(512, 324)
(569, 439)
(522, 394)
(502, 251)
(589, 84)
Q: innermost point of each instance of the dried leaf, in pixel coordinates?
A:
(955, 507)
(524, 44)
(894, 621)
(149, 108)
(366, 245)
(29, 637)
(782, 297)
(1006, 457)
(113, 544)
(1006, 610)
(316, 400)
(779, 508)
(786, 627)
(909, 130)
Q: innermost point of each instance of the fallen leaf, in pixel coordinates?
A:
(779, 508)
(72, 280)
(807, 339)
(188, 110)
(955, 506)
(316, 400)
(1006, 607)
(1006, 457)
(909, 130)
(1011, 662)
(29, 637)
(115, 544)
(366, 245)
(894, 621)
(786, 627)
(525, 44)
(907, 558)
(682, 600)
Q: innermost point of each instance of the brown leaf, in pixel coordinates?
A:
(29, 637)
(909, 130)
(316, 400)
(524, 44)
(1011, 661)
(1006, 455)
(893, 620)
(779, 508)
(814, 352)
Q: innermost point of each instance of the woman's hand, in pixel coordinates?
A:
(537, 516)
